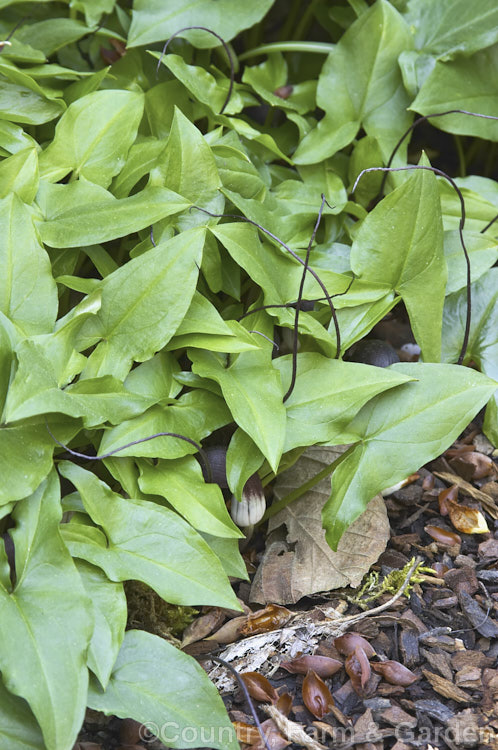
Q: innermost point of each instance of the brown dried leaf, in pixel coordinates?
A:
(264, 620)
(202, 626)
(428, 483)
(259, 687)
(467, 520)
(316, 696)
(230, 631)
(395, 673)
(347, 643)
(442, 536)
(246, 733)
(323, 666)
(298, 561)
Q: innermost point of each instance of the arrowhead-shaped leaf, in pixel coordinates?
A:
(253, 392)
(146, 542)
(93, 136)
(156, 20)
(400, 242)
(144, 302)
(483, 338)
(165, 689)
(109, 613)
(28, 294)
(360, 84)
(327, 395)
(400, 431)
(104, 220)
(181, 483)
(46, 621)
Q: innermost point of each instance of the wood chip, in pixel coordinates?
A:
(478, 617)
(469, 677)
(469, 489)
(440, 661)
(435, 709)
(408, 644)
(446, 688)
(466, 725)
(395, 716)
(462, 659)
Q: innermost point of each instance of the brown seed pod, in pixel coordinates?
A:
(347, 643)
(395, 673)
(259, 687)
(442, 536)
(316, 696)
(323, 666)
(358, 669)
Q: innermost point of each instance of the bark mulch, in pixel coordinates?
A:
(444, 630)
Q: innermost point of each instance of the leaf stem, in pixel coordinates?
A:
(89, 457)
(317, 48)
(328, 297)
(306, 19)
(299, 300)
(276, 507)
(423, 119)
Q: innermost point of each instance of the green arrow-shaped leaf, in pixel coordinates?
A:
(46, 621)
(400, 431)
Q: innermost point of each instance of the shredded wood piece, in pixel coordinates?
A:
(292, 731)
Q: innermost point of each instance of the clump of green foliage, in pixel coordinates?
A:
(144, 214)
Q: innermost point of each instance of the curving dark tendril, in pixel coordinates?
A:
(294, 255)
(423, 119)
(460, 230)
(275, 345)
(225, 47)
(489, 224)
(299, 300)
(267, 307)
(88, 457)
(243, 687)
(304, 302)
